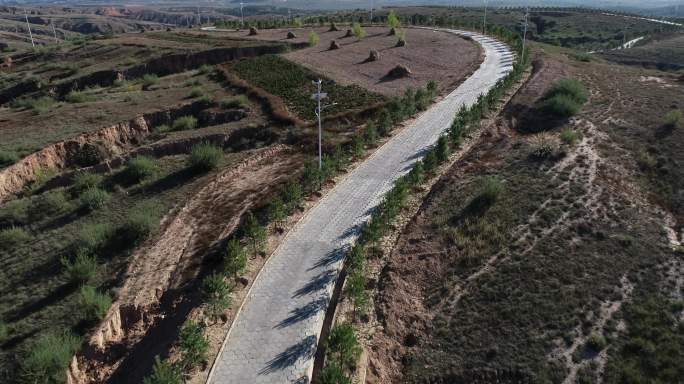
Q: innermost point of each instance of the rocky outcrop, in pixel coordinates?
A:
(399, 72)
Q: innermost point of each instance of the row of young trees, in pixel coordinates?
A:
(338, 368)
(250, 239)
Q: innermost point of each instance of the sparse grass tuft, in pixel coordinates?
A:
(49, 204)
(205, 157)
(240, 101)
(196, 92)
(93, 304)
(82, 268)
(93, 238)
(140, 168)
(141, 222)
(93, 199)
(149, 80)
(569, 136)
(77, 97)
(49, 357)
(205, 69)
(543, 146)
(184, 123)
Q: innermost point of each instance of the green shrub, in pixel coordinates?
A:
(235, 258)
(184, 123)
(93, 304)
(38, 106)
(314, 39)
(358, 145)
(442, 149)
(342, 345)
(565, 98)
(256, 234)
(297, 22)
(276, 212)
(562, 106)
(141, 222)
(8, 158)
(430, 161)
(332, 374)
(163, 373)
(216, 292)
(84, 181)
(370, 133)
(82, 268)
(312, 176)
(240, 101)
(358, 31)
(205, 157)
(543, 147)
(392, 19)
(140, 168)
(13, 236)
(293, 195)
(196, 92)
(569, 136)
(674, 119)
(4, 332)
(49, 204)
(355, 288)
(490, 190)
(48, 358)
(193, 345)
(149, 80)
(94, 238)
(417, 174)
(93, 199)
(205, 69)
(77, 97)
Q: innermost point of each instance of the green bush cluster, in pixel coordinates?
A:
(93, 199)
(216, 293)
(204, 157)
(674, 119)
(193, 345)
(140, 168)
(49, 204)
(38, 105)
(48, 358)
(12, 237)
(149, 80)
(234, 258)
(82, 268)
(184, 123)
(342, 351)
(565, 98)
(164, 373)
(93, 304)
(84, 181)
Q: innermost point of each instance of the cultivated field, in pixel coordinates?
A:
(429, 55)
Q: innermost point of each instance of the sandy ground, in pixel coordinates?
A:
(430, 55)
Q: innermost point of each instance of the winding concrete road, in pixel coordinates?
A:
(274, 338)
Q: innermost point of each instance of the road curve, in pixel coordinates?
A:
(274, 337)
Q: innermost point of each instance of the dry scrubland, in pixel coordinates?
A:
(144, 177)
(545, 254)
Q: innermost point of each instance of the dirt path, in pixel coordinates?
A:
(162, 267)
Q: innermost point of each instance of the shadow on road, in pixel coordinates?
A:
(305, 349)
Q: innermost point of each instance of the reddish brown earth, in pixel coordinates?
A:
(429, 55)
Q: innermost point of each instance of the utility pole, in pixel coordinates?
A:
(242, 15)
(371, 12)
(527, 14)
(484, 19)
(319, 96)
(29, 28)
(199, 17)
(54, 32)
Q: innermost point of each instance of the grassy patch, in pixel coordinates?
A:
(93, 304)
(292, 83)
(49, 357)
(184, 123)
(204, 157)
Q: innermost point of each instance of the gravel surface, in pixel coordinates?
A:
(274, 337)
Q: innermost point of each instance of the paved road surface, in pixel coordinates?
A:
(274, 337)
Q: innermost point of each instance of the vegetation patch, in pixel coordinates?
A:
(292, 83)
